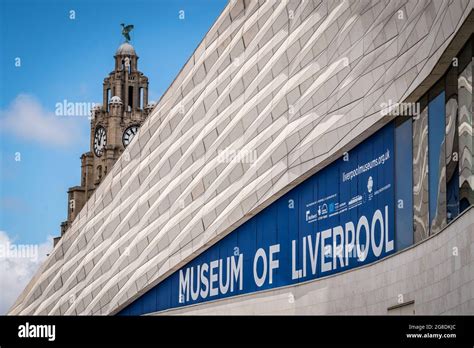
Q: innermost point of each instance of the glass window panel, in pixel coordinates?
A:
(420, 174)
(466, 169)
(452, 145)
(436, 158)
(403, 185)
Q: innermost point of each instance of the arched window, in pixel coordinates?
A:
(141, 98)
(130, 97)
(108, 98)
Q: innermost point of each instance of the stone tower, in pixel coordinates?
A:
(113, 125)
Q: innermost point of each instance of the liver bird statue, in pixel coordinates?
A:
(126, 30)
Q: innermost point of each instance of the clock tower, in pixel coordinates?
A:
(113, 126)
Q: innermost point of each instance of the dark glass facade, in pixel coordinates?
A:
(442, 149)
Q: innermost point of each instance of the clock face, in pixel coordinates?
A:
(129, 134)
(100, 140)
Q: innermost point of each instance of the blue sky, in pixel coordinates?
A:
(63, 58)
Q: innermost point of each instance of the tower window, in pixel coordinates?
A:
(141, 97)
(130, 97)
(108, 98)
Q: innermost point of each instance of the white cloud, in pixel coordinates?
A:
(18, 264)
(26, 118)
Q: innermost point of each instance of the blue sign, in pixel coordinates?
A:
(340, 218)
